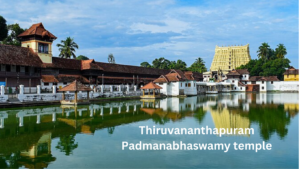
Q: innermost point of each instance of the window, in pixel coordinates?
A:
(46, 84)
(234, 88)
(262, 87)
(160, 83)
(54, 83)
(271, 82)
(246, 88)
(241, 88)
(65, 83)
(3, 68)
(245, 82)
(232, 81)
(186, 85)
(43, 48)
(228, 67)
(189, 84)
(262, 82)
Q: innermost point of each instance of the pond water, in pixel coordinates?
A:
(91, 136)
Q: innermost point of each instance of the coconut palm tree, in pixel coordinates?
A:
(264, 51)
(67, 48)
(280, 51)
(198, 66)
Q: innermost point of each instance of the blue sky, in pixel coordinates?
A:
(135, 31)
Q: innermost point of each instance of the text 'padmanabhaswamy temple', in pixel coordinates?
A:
(230, 57)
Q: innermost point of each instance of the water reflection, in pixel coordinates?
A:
(26, 134)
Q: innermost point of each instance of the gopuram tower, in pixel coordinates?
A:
(231, 57)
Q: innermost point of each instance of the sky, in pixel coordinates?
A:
(136, 31)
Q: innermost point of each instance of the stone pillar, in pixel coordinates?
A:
(21, 90)
(54, 89)
(53, 117)
(127, 87)
(2, 90)
(102, 86)
(120, 88)
(111, 88)
(119, 109)
(38, 89)
(134, 87)
(38, 119)
(21, 121)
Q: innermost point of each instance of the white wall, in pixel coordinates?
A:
(192, 90)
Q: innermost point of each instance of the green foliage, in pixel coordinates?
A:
(270, 62)
(198, 66)
(67, 144)
(3, 28)
(111, 58)
(162, 63)
(82, 57)
(146, 64)
(12, 38)
(67, 48)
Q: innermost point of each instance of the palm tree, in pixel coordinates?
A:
(263, 51)
(198, 66)
(67, 48)
(161, 63)
(280, 51)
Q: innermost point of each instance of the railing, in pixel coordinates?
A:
(20, 74)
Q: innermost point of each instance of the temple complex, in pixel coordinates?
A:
(230, 57)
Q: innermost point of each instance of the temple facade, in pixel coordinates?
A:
(230, 57)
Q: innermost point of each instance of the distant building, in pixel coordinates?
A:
(291, 74)
(177, 83)
(238, 78)
(231, 57)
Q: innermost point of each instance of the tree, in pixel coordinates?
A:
(145, 64)
(67, 144)
(177, 65)
(82, 57)
(111, 58)
(3, 28)
(264, 51)
(280, 51)
(198, 66)
(161, 63)
(67, 48)
(12, 38)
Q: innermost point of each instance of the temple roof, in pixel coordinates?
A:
(178, 75)
(291, 71)
(151, 85)
(75, 86)
(90, 64)
(37, 29)
(49, 79)
(15, 55)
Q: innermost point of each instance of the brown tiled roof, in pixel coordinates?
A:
(111, 67)
(49, 79)
(197, 76)
(75, 86)
(262, 78)
(233, 72)
(90, 64)
(15, 55)
(151, 85)
(291, 71)
(62, 63)
(242, 71)
(71, 78)
(37, 29)
(241, 84)
(161, 79)
(189, 75)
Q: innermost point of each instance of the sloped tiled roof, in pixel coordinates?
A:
(71, 78)
(262, 78)
(151, 85)
(49, 79)
(233, 72)
(62, 63)
(111, 67)
(241, 84)
(161, 79)
(242, 71)
(75, 86)
(90, 64)
(291, 71)
(15, 55)
(37, 29)
(189, 75)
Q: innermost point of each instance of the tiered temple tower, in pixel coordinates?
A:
(231, 57)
